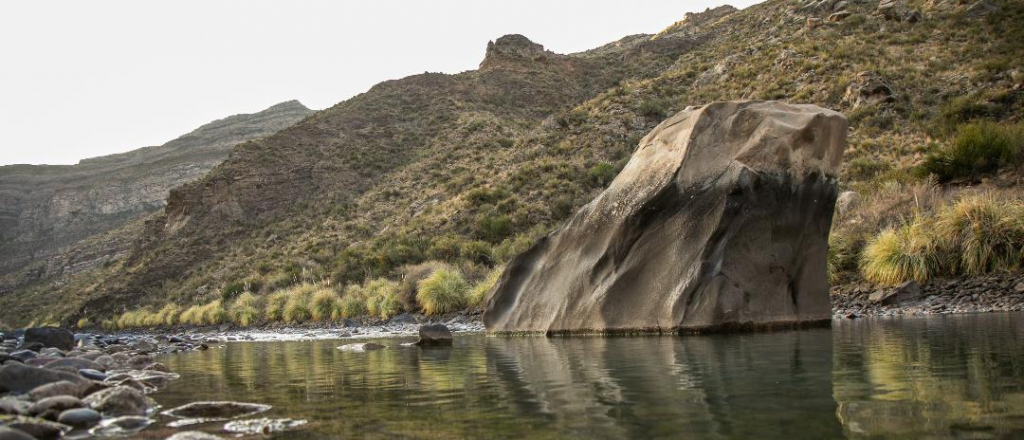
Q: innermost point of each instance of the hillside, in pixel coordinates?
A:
(470, 168)
(49, 209)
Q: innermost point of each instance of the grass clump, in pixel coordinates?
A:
(842, 256)
(479, 291)
(985, 234)
(349, 308)
(245, 311)
(213, 313)
(276, 302)
(323, 304)
(977, 149)
(899, 254)
(191, 316)
(444, 291)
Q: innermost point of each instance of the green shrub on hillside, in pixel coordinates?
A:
(444, 291)
(978, 148)
(602, 174)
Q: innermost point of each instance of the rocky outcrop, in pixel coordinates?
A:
(45, 210)
(720, 220)
(513, 49)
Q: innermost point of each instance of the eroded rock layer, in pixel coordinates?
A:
(720, 220)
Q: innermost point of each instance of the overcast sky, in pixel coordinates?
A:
(82, 79)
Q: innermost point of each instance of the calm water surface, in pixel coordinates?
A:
(937, 377)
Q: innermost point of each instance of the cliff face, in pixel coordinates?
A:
(45, 210)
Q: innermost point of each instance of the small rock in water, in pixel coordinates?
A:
(217, 410)
(119, 426)
(193, 435)
(365, 346)
(80, 417)
(120, 401)
(262, 426)
(434, 335)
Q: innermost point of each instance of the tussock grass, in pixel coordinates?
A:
(350, 308)
(213, 313)
(191, 316)
(984, 234)
(323, 304)
(444, 291)
(977, 234)
(903, 253)
(276, 302)
(246, 310)
(168, 315)
(479, 292)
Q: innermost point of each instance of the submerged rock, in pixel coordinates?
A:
(720, 220)
(262, 426)
(193, 435)
(217, 410)
(121, 426)
(365, 346)
(120, 401)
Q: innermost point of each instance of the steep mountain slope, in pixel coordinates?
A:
(469, 168)
(46, 209)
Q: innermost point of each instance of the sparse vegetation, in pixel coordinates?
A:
(479, 292)
(979, 148)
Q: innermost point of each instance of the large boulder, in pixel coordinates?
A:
(434, 335)
(51, 337)
(719, 221)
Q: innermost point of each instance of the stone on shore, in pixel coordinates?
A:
(120, 401)
(194, 435)
(434, 335)
(51, 337)
(719, 221)
(14, 434)
(22, 378)
(80, 417)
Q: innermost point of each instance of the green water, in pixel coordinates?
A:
(936, 377)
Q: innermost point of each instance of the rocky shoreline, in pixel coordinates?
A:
(992, 293)
(55, 384)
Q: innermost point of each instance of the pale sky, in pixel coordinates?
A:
(82, 79)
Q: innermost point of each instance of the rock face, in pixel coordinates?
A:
(47, 209)
(720, 220)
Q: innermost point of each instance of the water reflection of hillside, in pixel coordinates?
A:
(923, 378)
(938, 377)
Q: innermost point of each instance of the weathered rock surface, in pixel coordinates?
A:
(21, 378)
(720, 219)
(434, 335)
(120, 401)
(51, 337)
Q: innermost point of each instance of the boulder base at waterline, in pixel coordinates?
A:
(719, 220)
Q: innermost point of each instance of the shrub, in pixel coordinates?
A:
(900, 254)
(977, 149)
(602, 174)
(245, 311)
(479, 292)
(444, 291)
(323, 304)
(411, 277)
(232, 290)
(983, 233)
(276, 302)
(494, 228)
(83, 323)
